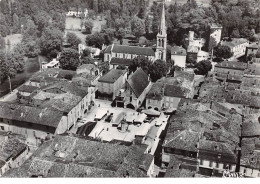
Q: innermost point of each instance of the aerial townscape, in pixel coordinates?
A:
(129, 88)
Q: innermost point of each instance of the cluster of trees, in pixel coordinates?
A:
(156, 69)
(11, 63)
(238, 19)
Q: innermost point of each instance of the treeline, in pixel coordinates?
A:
(41, 23)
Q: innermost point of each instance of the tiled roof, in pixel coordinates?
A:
(11, 147)
(112, 76)
(176, 50)
(62, 102)
(175, 91)
(67, 156)
(253, 69)
(185, 140)
(27, 88)
(232, 65)
(35, 115)
(250, 155)
(181, 167)
(138, 81)
(67, 86)
(251, 125)
(87, 66)
(156, 91)
(210, 150)
(143, 51)
(234, 42)
(120, 61)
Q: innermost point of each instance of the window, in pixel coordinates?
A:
(217, 165)
(210, 164)
(201, 162)
(2, 128)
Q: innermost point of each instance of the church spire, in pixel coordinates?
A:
(162, 27)
(161, 38)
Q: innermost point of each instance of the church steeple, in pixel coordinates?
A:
(162, 27)
(161, 38)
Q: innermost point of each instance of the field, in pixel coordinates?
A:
(14, 39)
(74, 24)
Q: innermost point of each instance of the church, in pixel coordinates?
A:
(123, 54)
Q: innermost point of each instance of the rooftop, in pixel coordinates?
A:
(232, 65)
(10, 147)
(137, 85)
(85, 158)
(251, 125)
(185, 140)
(35, 115)
(144, 51)
(176, 50)
(112, 76)
(175, 91)
(27, 88)
(234, 42)
(120, 61)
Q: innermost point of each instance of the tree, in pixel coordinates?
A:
(87, 60)
(69, 59)
(222, 52)
(147, 23)
(140, 61)
(120, 34)
(30, 46)
(137, 26)
(203, 67)
(157, 70)
(73, 40)
(2, 43)
(16, 24)
(88, 26)
(96, 40)
(51, 39)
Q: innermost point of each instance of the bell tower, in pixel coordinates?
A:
(161, 38)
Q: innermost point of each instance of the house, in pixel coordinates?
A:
(32, 122)
(252, 49)
(166, 93)
(89, 72)
(237, 46)
(249, 161)
(13, 152)
(178, 55)
(77, 12)
(216, 156)
(204, 140)
(115, 62)
(107, 160)
(110, 84)
(54, 63)
(25, 91)
(230, 67)
(136, 89)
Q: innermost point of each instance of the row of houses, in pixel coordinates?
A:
(201, 142)
(86, 158)
(48, 105)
